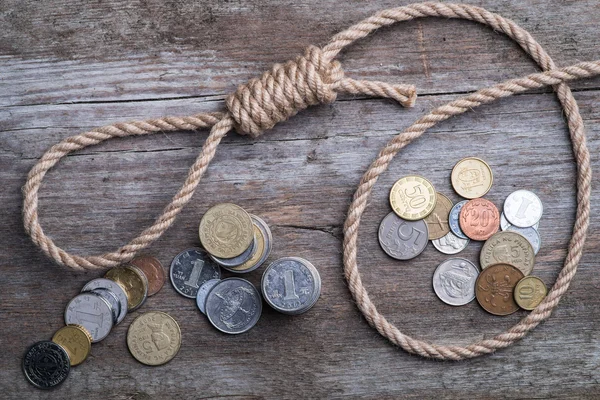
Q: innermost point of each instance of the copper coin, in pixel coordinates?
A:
(153, 270)
(479, 219)
(437, 221)
(494, 289)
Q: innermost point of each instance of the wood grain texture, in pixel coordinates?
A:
(67, 66)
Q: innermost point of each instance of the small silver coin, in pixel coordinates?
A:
(112, 299)
(239, 260)
(531, 234)
(190, 269)
(46, 365)
(401, 239)
(450, 243)
(113, 287)
(291, 285)
(233, 305)
(523, 208)
(504, 224)
(203, 293)
(454, 281)
(92, 312)
(454, 217)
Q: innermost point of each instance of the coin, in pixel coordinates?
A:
(46, 365)
(113, 287)
(504, 224)
(112, 299)
(454, 217)
(233, 305)
(531, 234)
(92, 312)
(401, 239)
(454, 281)
(203, 293)
(154, 271)
(472, 177)
(412, 197)
(450, 243)
(529, 292)
(226, 230)
(494, 289)
(190, 269)
(437, 221)
(523, 208)
(133, 281)
(291, 285)
(154, 338)
(239, 260)
(264, 243)
(508, 248)
(479, 219)
(76, 341)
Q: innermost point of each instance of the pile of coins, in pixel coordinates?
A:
(239, 242)
(507, 257)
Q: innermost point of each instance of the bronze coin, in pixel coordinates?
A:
(479, 219)
(437, 221)
(153, 270)
(494, 289)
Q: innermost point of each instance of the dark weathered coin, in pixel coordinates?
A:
(495, 286)
(238, 260)
(46, 365)
(233, 305)
(154, 271)
(190, 269)
(92, 312)
(113, 287)
(401, 239)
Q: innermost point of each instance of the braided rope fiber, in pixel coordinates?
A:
(315, 78)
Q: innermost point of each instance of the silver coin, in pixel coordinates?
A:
(112, 299)
(190, 269)
(113, 287)
(531, 234)
(454, 281)
(239, 260)
(291, 285)
(504, 224)
(92, 312)
(453, 219)
(523, 208)
(401, 239)
(450, 243)
(233, 305)
(203, 293)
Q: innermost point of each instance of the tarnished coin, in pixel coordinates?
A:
(529, 292)
(264, 244)
(190, 269)
(472, 177)
(92, 312)
(454, 281)
(401, 239)
(504, 224)
(450, 243)
(494, 289)
(437, 221)
(113, 287)
(112, 299)
(412, 198)
(154, 271)
(226, 230)
(133, 281)
(76, 340)
(523, 208)
(291, 285)
(479, 219)
(531, 234)
(46, 365)
(203, 294)
(233, 305)
(453, 219)
(508, 248)
(239, 260)
(154, 338)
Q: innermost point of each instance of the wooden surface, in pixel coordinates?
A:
(67, 66)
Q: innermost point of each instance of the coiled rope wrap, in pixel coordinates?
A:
(316, 78)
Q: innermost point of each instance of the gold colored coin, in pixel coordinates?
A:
(529, 292)
(134, 283)
(76, 341)
(508, 248)
(413, 198)
(260, 249)
(226, 230)
(472, 177)
(437, 221)
(154, 338)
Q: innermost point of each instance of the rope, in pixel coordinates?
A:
(316, 78)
